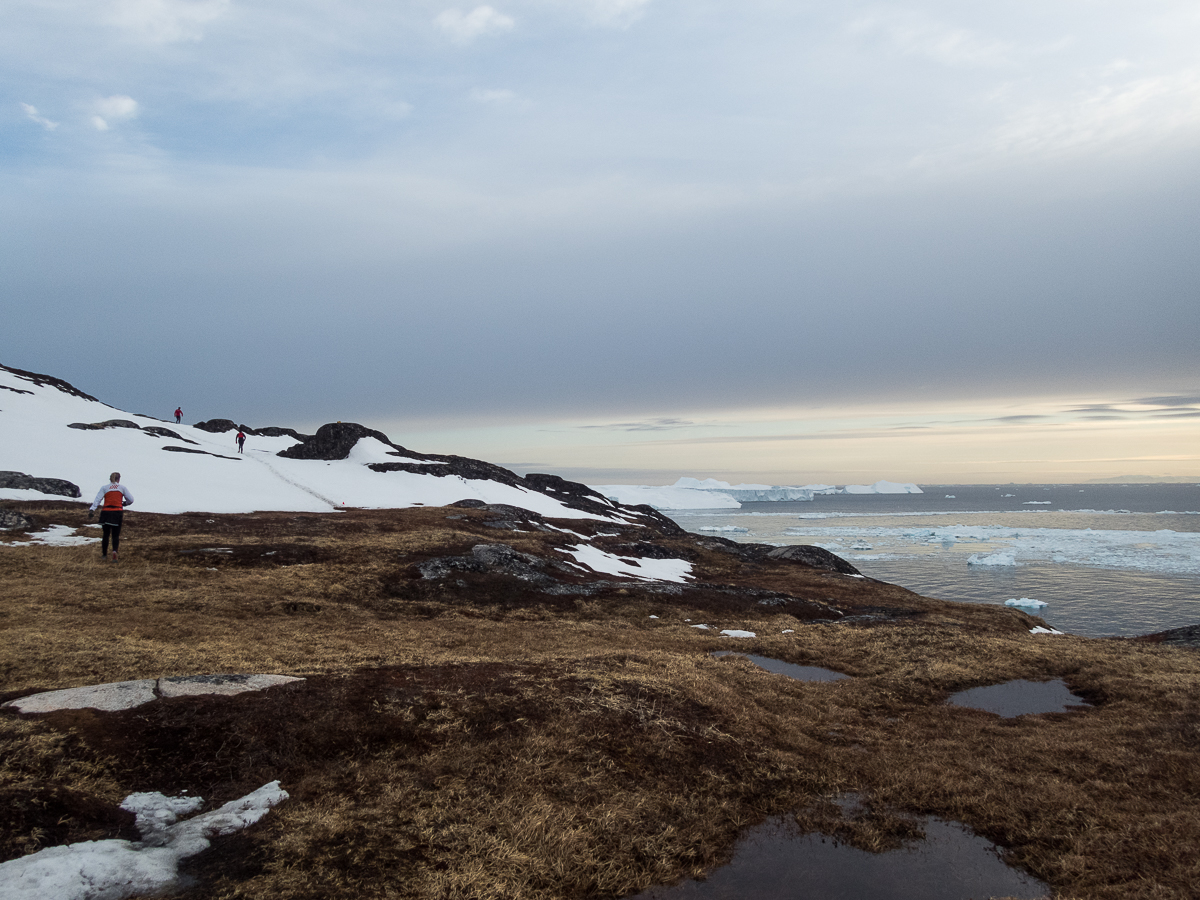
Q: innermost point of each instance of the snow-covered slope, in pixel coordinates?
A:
(173, 468)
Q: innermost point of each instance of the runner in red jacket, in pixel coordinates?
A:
(112, 500)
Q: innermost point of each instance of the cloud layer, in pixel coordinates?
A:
(614, 210)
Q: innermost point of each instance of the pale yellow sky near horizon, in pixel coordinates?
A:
(1057, 439)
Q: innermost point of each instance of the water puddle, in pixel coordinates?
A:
(773, 862)
(1020, 698)
(791, 670)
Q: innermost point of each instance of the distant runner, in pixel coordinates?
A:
(178, 414)
(112, 500)
(241, 441)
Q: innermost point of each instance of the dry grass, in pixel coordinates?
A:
(484, 740)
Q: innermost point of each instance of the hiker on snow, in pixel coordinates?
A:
(112, 500)
(178, 414)
(241, 441)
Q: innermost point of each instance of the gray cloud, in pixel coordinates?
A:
(313, 218)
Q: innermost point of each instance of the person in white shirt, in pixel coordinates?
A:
(112, 500)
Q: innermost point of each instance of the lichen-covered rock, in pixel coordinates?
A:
(11, 520)
(22, 482)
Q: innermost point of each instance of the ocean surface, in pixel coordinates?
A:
(1106, 560)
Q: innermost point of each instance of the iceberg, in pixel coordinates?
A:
(1026, 603)
(1003, 558)
(711, 493)
(661, 497)
(748, 492)
(882, 487)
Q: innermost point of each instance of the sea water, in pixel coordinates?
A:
(1108, 560)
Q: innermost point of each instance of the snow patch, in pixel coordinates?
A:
(115, 869)
(55, 536)
(598, 560)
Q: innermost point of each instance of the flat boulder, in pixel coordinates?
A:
(129, 694)
(57, 486)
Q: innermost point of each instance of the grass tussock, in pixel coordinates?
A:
(479, 737)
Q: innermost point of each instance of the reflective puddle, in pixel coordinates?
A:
(791, 670)
(1020, 698)
(773, 862)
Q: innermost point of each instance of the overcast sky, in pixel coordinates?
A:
(623, 240)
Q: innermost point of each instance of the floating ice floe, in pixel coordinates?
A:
(116, 869)
(724, 529)
(1164, 551)
(1003, 558)
(1027, 602)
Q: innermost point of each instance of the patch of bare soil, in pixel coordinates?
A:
(481, 719)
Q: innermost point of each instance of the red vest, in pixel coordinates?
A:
(114, 499)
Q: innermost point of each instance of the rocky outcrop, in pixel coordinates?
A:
(158, 431)
(337, 439)
(220, 426)
(50, 381)
(11, 520)
(201, 452)
(495, 559)
(817, 557)
(804, 554)
(152, 430)
(108, 423)
(1187, 636)
(22, 482)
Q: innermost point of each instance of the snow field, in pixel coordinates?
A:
(35, 440)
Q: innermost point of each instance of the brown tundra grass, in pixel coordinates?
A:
(484, 740)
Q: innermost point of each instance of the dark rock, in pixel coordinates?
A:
(492, 558)
(817, 557)
(1187, 636)
(658, 521)
(5, 387)
(108, 423)
(220, 426)
(335, 441)
(276, 431)
(165, 433)
(50, 381)
(11, 520)
(437, 470)
(566, 491)
(22, 482)
(202, 452)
